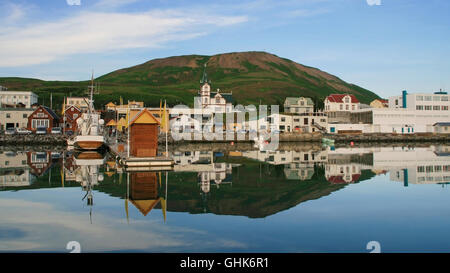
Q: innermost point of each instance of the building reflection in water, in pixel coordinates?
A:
(14, 170)
(320, 171)
(144, 192)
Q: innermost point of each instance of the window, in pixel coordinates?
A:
(444, 98)
(283, 119)
(75, 116)
(24, 115)
(427, 107)
(341, 107)
(353, 107)
(305, 121)
(436, 107)
(217, 100)
(419, 107)
(436, 98)
(346, 107)
(427, 98)
(8, 115)
(444, 107)
(347, 100)
(419, 98)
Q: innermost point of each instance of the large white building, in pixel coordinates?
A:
(13, 98)
(408, 113)
(14, 117)
(439, 101)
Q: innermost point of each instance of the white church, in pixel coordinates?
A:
(216, 102)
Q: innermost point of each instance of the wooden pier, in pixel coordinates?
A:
(130, 163)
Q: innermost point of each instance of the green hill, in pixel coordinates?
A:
(253, 77)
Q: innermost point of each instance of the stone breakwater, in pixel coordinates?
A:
(339, 138)
(57, 139)
(389, 138)
(33, 140)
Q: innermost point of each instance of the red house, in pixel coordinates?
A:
(71, 113)
(43, 117)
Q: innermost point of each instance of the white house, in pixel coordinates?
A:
(306, 123)
(341, 102)
(298, 105)
(12, 98)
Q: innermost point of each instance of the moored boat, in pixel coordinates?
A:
(90, 127)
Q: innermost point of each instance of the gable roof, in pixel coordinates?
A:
(227, 96)
(48, 110)
(141, 118)
(339, 98)
(442, 124)
(145, 206)
(294, 100)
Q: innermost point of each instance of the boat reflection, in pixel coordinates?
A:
(250, 183)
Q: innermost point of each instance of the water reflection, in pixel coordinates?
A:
(276, 187)
(250, 183)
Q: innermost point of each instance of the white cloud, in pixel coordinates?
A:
(98, 32)
(11, 13)
(373, 2)
(73, 2)
(47, 227)
(114, 3)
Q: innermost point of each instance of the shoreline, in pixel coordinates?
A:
(60, 140)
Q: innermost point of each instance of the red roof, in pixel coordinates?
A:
(338, 179)
(340, 98)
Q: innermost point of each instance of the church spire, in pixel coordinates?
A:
(205, 76)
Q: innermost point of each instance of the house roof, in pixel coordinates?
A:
(340, 98)
(338, 179)
(111, 123)
(294, 101)
(144, 117)
(145, 206)
(48, 110)
(227, 96)
(442, 124)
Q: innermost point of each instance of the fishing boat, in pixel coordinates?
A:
(89, 135)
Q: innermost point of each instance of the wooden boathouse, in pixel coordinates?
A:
(144, 135)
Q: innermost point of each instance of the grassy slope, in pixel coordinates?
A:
(251, 76)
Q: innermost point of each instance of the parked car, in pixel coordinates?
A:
(23, 131)
(41, 131)
(10, 131)
(56, 130)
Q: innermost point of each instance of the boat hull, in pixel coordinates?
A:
(89, 142)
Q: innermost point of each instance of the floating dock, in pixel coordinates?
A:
(130, 163)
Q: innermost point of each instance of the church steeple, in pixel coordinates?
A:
(205, 76)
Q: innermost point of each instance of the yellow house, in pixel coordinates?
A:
(379, 103)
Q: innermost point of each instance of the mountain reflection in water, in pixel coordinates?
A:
(251, 183)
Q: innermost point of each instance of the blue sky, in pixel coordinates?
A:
(383, 45)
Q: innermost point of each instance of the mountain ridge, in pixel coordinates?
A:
(252, 76)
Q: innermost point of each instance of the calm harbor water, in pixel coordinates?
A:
(298, 200)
